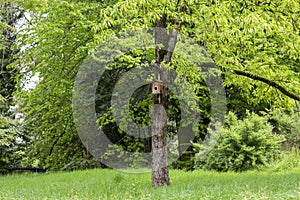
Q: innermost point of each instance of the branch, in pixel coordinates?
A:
(61, 134)
(268, 82)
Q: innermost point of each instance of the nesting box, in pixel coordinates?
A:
(157, 87)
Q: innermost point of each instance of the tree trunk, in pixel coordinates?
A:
(160, 173)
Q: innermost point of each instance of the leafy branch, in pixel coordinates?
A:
(268, 82)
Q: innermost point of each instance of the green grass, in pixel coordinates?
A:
(109, 184)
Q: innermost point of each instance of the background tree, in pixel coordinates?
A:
(9, 17)
(12, 138)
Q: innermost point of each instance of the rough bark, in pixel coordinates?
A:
(160, 173)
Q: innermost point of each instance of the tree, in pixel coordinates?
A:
(59, 40)
(12, 138)
(9, 16)
(253, 43)
(220, 26)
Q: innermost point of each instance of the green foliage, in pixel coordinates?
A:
(260, 37)
(257, 37)
(286, 123)
(12, 140)
(10, 14)
(243, 145)
(238, 102)
(59, 40)
(12, 144)
(81, 164)
(288, 159)
(135, 160)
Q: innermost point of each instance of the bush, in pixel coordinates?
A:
(243, 145)
(286, 123)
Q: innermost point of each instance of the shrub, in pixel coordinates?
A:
(286, 123)
(243, 145)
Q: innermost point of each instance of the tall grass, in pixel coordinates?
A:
(110, 184)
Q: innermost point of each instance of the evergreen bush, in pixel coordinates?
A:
(243, 145)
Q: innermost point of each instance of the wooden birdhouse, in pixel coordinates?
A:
(157, 87)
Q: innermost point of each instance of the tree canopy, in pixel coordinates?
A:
(254, 44)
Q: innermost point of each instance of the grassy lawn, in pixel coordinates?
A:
(109, 184)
